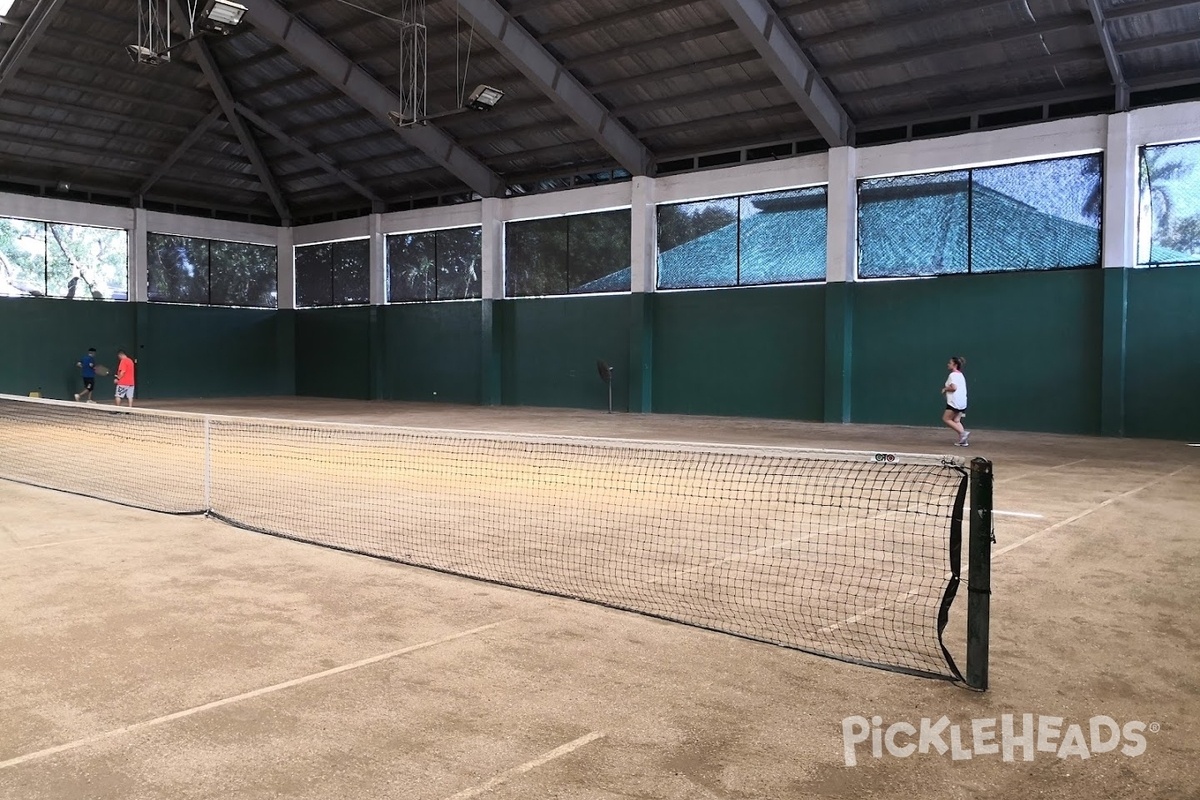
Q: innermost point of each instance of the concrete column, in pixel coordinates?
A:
(139, 285)
(492, 308)
(1119, 255)
(643, 262)
(285, 254)
(841, 258)
(378, 260)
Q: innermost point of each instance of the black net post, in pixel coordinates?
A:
(979, 574)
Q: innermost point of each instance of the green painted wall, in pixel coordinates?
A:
(432, 352)
(201, 351)
(755, 352)
(333, 352)
(43, 339)
(550, 347)
(1162, 378)
(1032, 343)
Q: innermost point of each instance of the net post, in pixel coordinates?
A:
(979, 574)
(207, 464)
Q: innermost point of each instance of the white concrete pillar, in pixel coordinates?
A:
(491, 275)
(285, 249)
(841, 245)
(643, 239)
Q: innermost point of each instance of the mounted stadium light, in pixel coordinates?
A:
(154, 45)
(222, 16)
(484, 97)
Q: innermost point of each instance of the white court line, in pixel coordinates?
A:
(1025, 514)
(870, 611)
(503, 777)
(1082, 514)
(52, 544)
(49, 751)
(1040, 471)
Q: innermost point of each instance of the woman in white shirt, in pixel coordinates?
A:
(955, 391)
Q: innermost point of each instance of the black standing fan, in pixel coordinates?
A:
(606, 375)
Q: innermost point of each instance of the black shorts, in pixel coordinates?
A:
(955, 410)
(89, 384)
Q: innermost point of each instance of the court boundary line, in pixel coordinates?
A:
(187, 712)
(528, 766)
(1076, 517)
(900, 598)
(1040, 471)
(55, 544)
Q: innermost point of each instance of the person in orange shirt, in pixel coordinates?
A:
(124, 378)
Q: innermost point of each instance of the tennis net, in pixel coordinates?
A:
(849, 555)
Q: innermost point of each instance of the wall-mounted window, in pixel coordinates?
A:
(778, 237)
(333, 274)
(1030, 216)
(52, 259)
(568, 255)
(434, 265)
(183, 269)
(1169, 205)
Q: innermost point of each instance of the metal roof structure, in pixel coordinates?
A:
(286, 117)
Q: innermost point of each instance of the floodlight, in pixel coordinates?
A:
(221, 16)
(484, 97)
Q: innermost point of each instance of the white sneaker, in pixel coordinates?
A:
(962, 441)
(76, 398)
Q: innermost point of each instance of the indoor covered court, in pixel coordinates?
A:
(149, 656)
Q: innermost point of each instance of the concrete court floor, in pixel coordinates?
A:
(148, 656)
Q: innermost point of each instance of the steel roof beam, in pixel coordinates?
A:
(309, 48)
(762, 26)
(1111, 58)
(971, 42)
(1151, 43)
(189, 140)
(208, 65)
(323, 162)
(992, 71)
(1017, 103)
(950, 13)
(1134, 9)
(549, 75)
(32, 30)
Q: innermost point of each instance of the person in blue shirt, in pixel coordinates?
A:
(87, 367)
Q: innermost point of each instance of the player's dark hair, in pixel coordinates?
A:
(958, 361)
(91, 349)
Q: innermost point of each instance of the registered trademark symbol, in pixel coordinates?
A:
(1155, 727)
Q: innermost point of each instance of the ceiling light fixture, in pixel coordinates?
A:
(483, 98)
(154, 24)
(222, 16)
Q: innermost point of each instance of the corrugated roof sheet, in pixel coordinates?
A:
(678, 74)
